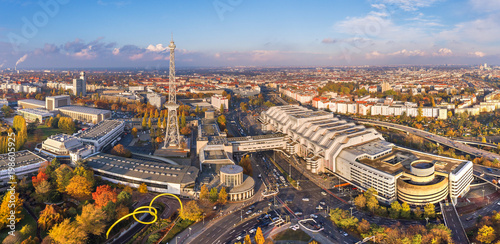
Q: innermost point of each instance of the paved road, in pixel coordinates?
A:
(453, 222)
(433, 137)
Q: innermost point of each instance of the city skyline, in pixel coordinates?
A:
(107, 34)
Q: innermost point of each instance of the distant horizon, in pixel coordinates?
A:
(221, 33)
(162, 68)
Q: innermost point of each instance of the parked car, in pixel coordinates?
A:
(305, 199)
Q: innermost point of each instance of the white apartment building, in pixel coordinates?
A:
(218, 100)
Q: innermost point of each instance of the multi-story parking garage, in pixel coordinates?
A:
(362, 156)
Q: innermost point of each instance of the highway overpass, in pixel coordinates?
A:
(433, 137)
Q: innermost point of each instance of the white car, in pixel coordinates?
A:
(252, 230)
(238, 238)
(323, 193)
(498, 203)
(305, 199)
(322, 203)
(314, 216)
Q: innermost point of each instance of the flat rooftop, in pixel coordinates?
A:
(37, 111)
(99, 130)
(86, 110)
(214, 154)
(399, 159)
(209, 130)
(33, 101)
(143, 170)
(22, 158)
(259, 137)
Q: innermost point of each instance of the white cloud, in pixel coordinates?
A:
(485, 30)
(85, 53)
(443, 52)
(136, 56)
(485, 5)
(157, 48)
(477, 54)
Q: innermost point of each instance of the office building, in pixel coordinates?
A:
(218, 100)
(61, 105)
(80, 85)
(156, 99)
(362, 157)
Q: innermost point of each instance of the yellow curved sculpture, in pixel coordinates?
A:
(150, 210)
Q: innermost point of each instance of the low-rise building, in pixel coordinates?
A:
(105, 133)
(26, 165)
(32, 114)
(159, 177)
(240, 186)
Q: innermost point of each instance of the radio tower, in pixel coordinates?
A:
(172, 136)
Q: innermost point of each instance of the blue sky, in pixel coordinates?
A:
(132, 33)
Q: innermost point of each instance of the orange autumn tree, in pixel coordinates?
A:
(103, 195)
(49, 217)
(41, 176)
(79, 187)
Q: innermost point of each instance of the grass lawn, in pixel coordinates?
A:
(178, 228)
(290, 234)
(47, 131)
(26, 220)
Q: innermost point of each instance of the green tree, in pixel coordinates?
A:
(213, 194)
(429, 211)
(183, 121)
(405, 210)
(360, 201)
(371, 199)
(395, 210)
(343, 218)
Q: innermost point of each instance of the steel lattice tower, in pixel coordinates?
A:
(172, 136)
